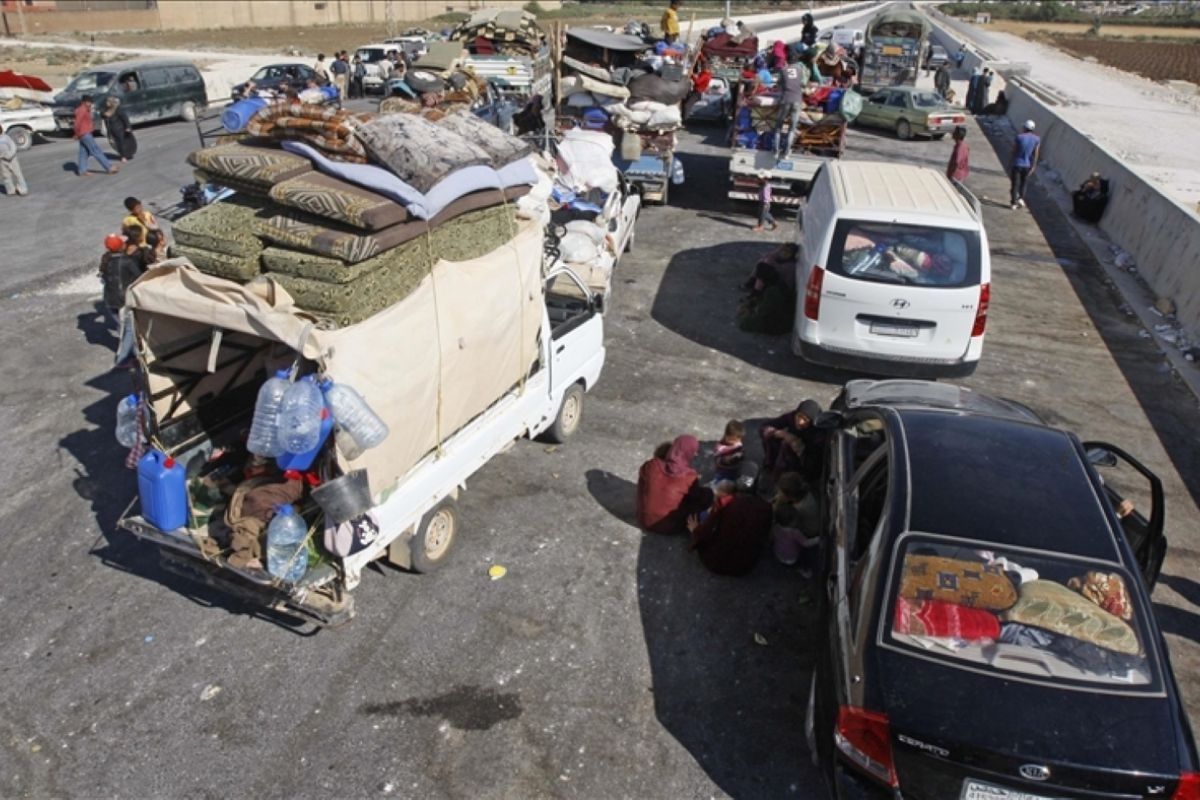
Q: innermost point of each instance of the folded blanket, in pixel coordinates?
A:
(328, 239)
(297, 264)
(327, 127)
(421, 204)
(248, 165)
(333, 199)
(418, 151)
(225, 227)
(584, 83)
(235, 268)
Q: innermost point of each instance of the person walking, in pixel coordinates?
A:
(959, 166)
(120, 129)
(1024, 161)
(670, 22)
(84, 129)
(10, 169)
(765, 198)
(340, 71)
(941, 80)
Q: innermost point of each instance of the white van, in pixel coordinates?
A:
(893, 274)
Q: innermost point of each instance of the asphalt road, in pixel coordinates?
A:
(606, 663)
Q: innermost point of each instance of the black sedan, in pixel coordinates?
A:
(990, 633)
(274, 76)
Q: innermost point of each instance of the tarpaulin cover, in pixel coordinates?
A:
(427, 365)
(723, 46)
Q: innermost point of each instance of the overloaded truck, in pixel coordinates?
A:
(892, 52)
(479, 354)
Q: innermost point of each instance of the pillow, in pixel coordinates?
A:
(330, 198)
(261, 167)
(500, 146)
(1054, 607)
(952, 580)
(944, 620)
(418, 151)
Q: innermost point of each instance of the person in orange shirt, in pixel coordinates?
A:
(84, 128)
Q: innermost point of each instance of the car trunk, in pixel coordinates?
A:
(917, 323)
(953, 727)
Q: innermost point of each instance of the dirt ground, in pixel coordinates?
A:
(1157, 61)
(54, 66)
(1079, 28)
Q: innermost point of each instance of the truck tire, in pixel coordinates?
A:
(22, 137)
(570, 415)
(435, 537)
(188, 111)
(904, 130)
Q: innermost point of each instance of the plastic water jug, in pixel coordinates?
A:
(353, 415)
(162, 489)
(300, 416)
(264, 428)
(302, 461)
(127, 427)
(286, 554)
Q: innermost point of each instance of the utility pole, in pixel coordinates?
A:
(21, 16)
(391, 19)
(727, 14)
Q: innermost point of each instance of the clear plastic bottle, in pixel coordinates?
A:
(353, 415)
(127, 427)
(264, 428)
(300, 416)
(286, 556)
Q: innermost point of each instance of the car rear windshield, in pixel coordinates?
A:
(1041, 615)
(888, 252)
(927, 100)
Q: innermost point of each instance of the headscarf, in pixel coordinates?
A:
(809, 408)
(110, 104)
(679, 458)
(779, 50)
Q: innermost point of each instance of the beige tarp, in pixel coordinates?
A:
(427, 365)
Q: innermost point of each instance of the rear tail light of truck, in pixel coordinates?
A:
(981, 310)
(864, 738)
(812, 293)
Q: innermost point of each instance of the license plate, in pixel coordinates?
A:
(978, 790)
(892, 50)
(784, 165)
(906, 331)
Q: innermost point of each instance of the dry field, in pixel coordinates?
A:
(1024, 29)
(1157, 60)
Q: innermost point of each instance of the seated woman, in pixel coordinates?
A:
(792, 443)
(1091, 198)
(731, 537)
(668, 488)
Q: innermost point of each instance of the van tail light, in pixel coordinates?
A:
(865, 739)
(1188, 788)
(812, 293)
(985, 297)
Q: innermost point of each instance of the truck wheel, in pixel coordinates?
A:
(22, 137)
(435, 537)
(904, 130)
(188, 112)
(570, 414)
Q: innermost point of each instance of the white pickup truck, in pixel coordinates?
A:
(418, 523)
(25, 123)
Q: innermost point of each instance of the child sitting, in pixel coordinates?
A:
(728, 454)
(795, 534)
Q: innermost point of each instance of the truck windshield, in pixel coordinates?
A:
(889, 252)
(1008, 611)
(87, 81)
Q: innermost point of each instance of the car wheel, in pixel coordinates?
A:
(570, 415)
(435, 537)
(188, 112)
(22, 137)
(904, 130)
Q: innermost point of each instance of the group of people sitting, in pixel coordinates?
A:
(727, 519)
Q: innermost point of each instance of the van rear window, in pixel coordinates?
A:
(888, 252)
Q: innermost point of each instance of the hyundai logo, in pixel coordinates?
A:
(899, 302)
(1035, 772)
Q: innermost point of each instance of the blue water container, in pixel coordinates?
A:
(162, 488)
(302, 461)
(236, 116)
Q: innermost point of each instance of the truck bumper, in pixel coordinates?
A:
(319, 599)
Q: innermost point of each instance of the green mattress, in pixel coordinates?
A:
(226, 227)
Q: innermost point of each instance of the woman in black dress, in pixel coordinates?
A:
(120, 131)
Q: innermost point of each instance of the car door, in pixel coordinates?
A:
(897, 108)
(1136, 495)
(874, 109)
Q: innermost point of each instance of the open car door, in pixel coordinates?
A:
(1136, 495)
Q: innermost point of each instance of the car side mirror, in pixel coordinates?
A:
(1099, 457)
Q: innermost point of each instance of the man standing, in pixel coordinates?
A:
(808, 33)
(670, 22)
(321, 69)
(941, 80)
(87, 142)
(973, 85)
(793, 80)
(341, 71)
(10, 170)
(357, 72)
(959, 167)
(1024, 161)
(983, 93)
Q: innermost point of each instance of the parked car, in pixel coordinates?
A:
(273, 76)
(894, 274)
(23, 124)
(987, 608)
(909, 112)
(937, 56)
(148, 90)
